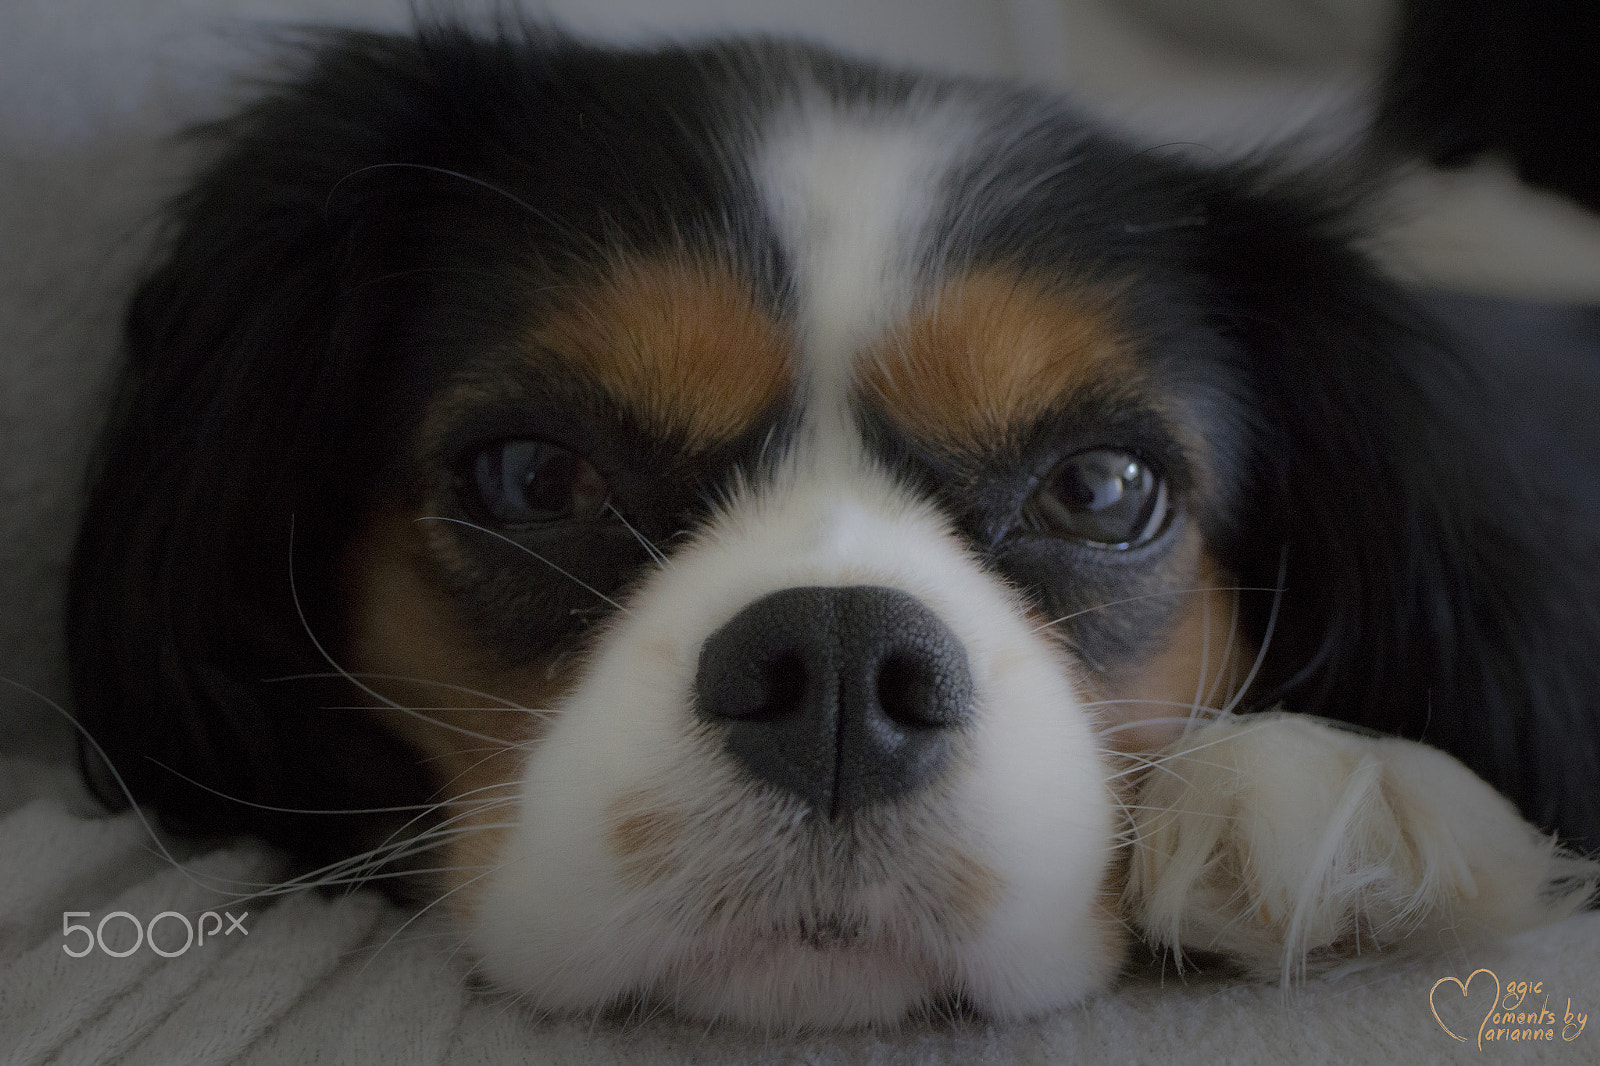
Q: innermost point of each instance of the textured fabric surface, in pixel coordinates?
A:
(92, 91)
(351, 979)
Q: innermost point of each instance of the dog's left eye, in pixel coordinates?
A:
(532, 482)
(1105, 497)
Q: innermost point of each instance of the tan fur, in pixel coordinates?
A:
(401, 623)
(993, 351)
(644, 831)
(680, 343)
(1203, 659)
(973, 893)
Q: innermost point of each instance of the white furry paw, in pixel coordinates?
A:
(1281, 842)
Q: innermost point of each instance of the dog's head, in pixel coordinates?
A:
(766, 497)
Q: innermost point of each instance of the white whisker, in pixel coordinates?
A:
(1148, 596)
(1266, 636)
(508, 704)
(524, 548)
(133, 804)
(301, 810)
(644, 541)
(1225, 667)
(1205, 655)
(444, 896)
(299, 608)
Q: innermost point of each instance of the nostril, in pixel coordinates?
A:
(762, 686)
(783, 684)
(910, 692)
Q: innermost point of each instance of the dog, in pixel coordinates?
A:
(804, 543)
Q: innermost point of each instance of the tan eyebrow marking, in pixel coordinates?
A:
(990, 352)
(680, 343)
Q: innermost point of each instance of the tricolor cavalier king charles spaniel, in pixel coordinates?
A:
(805, 543)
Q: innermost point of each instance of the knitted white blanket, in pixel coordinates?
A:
(304, 978)
(88, 89)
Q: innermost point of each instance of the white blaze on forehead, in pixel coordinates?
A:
(852, 191)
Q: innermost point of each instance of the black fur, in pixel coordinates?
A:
(332, 264)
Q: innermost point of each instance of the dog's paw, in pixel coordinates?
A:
(1282, 842)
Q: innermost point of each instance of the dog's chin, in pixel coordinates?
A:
(821, 937)
(803, 975)
(821, 967)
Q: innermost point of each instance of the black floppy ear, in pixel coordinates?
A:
(246, 406)
(1429, 592)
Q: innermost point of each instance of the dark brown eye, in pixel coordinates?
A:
(531, 482)
(1105, 497)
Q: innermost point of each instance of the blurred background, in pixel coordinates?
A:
(94, 90)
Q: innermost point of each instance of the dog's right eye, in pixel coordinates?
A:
(1105, 497)
(532, 482)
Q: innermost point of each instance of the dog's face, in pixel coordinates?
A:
(775, 501)
(816, 545)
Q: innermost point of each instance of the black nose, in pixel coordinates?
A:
(842, 696)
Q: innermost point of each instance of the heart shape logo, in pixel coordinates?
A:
(1463, 986)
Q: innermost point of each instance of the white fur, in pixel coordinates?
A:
(1027, 801)
(852, 194)
(1282, 842)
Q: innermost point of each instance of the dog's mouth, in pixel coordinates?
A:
(820, 932)
(840, 926)
(834, 937)
(832, 890)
